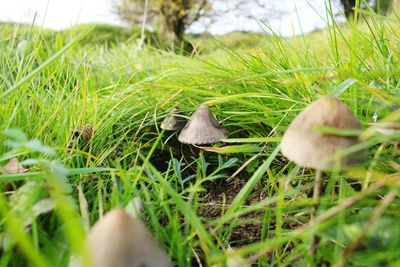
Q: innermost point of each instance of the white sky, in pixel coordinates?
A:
(58, 14)
(283, 16)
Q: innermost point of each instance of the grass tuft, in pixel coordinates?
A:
(198, 203)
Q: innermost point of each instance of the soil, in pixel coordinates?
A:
(223, 193)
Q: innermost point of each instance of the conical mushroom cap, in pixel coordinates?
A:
(307, 147)
(202, 128)
(119, 240)
(173, 121)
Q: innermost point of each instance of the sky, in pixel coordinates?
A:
(287, 17)
(58, 14)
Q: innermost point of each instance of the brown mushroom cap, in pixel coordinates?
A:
(83, 133)
(14, 166)
(307, 147)
(173, 121)
(119, 240)
(202, 128)
(86, 131)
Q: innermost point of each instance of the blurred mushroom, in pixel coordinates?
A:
(202, 128)
(388, 128)
(235, 261)
(308, 147)
(173, 121)
(84, 133)
(119, 240)
(14, 166)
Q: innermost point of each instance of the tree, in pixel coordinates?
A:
(169, 16)
(383, 6)
(380, 6)
(348, 6)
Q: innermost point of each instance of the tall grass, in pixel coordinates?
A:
(197, 204)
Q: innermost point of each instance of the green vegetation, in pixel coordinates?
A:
(197, 204)
(171, 17)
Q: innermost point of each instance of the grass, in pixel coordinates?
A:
(197, 204)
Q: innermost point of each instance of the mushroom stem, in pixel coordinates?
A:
(316, 194)
(396, 149)
(317, 191)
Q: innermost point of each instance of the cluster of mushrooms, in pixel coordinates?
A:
(201, 129)
(119, 240)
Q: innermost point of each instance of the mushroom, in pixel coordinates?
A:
(388, 128)
(308, 147)
(14, 167)
(173, 121)
(84, 133)
(119, 240)
(202, 128)
(235, 261)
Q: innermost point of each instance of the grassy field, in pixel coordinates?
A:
(198, 204)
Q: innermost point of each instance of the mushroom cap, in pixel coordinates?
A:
(307, 147)
(119, 240)
(202, 128)
(86, 131)
(14, 166)
(173, 121)
(235, 261)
